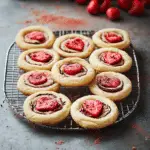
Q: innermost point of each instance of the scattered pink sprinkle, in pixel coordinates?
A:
(97, 141)
(60, 142)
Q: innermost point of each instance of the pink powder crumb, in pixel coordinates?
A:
(97, 141)
(60, 142)
(59, 20)
(26, 22)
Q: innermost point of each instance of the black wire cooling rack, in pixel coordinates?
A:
(15, 99)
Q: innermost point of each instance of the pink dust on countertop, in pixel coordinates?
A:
(60, 20)
(97, 141)
(60, 142)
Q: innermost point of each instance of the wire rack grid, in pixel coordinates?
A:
(16, 99)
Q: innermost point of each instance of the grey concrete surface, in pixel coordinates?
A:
(18, 135)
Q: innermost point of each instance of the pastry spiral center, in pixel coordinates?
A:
(95, 109)
(75, 44)
(37, 78)
(111, 58)
(109, 84)
(40, 56)
(72, 69)
(112, 37)
(35, 37)
(46, 104)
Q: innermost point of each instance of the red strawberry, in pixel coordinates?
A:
(113, 13)
(93, 7)
(93, 107)
(75, 44)
(40, 56)
(81, 1)
(137, 8)
(111, 57)
(112, 37)
(36, 35)
(73, 69)
(125, 4)
(104, 6)
(46, 103)
(37, 78)
(110, 82)
(146, 2)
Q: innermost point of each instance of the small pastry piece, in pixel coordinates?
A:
(112, 85)
(94, 111)
(110, 59)
(73, 72)
(37, 59)
(112, 37)
(35, 37)
(46, 107)
(36, 81)
(74, 45)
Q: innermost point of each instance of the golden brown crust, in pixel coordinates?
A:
(114, 96)
(25, 46)
(72, 80)
(93, 123)
(28, 90)
(23, 64)
(100, 66)
(47, 119)
(85, 53)
(121, 45)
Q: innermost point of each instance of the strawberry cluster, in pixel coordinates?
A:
(133, 7)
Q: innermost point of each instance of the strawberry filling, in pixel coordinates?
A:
(110, 82)
(36, 35)
(37, 78)
(40, 56)
(73, 69)
(92, 108)
(111, 58)
(75, 44)
(112, 37)
(46, 103)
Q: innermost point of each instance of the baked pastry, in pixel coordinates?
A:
(74, 45)
(73, 72)
(112, 85)
(46, 107)
(35, 37)
(94, 112)
(112, 37)
(110, 59)
(37, 59)
(36, 81)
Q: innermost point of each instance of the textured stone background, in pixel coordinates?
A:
(18, 135)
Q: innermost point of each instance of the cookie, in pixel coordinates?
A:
(36, 81)
(73, 72)
(110, 59)
(37, 59)
(35, 37)
(46, 107)
(112, 37)
(94, 112)
(74, 45)
(112, 85)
